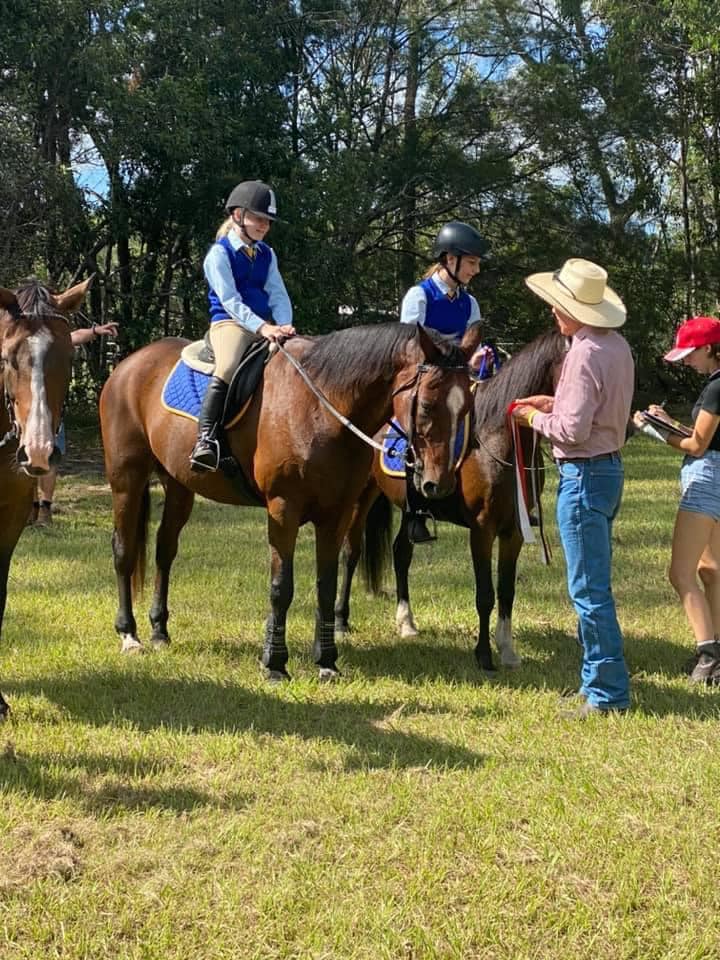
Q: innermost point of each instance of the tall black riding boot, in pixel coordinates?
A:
(206, 452)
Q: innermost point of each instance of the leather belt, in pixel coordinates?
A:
(599, 456)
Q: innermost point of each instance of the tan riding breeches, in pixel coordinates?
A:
(229, 341)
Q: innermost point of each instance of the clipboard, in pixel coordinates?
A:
(673, 427)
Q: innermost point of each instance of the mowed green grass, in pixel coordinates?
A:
(175, 805)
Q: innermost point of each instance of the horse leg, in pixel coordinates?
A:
(402, 558)
(5, 557)
(508, 553)
(351, 553)
(349, 561)
(481, 543)
(131, 507)
(176, 512)
(327, 548)
(14, 518)
(282, 534)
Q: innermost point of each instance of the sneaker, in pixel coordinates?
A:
(707, 663)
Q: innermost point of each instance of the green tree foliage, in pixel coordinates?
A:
(559, 128)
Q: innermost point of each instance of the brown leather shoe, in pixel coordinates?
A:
(587, 710)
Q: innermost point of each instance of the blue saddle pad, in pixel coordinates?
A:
(184, 390)
(392, 458)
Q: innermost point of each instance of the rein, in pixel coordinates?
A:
(13, 433)
(506, 463)
(326, 403)
(414, 382)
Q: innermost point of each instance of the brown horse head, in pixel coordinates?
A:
(434, 409)
(35, 362)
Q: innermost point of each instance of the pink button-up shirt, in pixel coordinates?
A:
(593, 396)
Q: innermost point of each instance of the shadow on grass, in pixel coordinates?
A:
(551, 661)
(203, 706)
(104, 784)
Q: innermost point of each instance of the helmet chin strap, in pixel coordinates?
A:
(449, 272)
(243, 231)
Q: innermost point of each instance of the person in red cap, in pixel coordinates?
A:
(696, 537)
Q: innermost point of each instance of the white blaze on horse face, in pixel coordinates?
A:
(455, 403)
(38, 437)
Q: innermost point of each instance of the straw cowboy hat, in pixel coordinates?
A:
(579, 288)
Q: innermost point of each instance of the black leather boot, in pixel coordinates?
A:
(206, 452)
(418, 529)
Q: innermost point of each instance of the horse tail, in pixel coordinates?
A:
(143, 523)
(376, 545)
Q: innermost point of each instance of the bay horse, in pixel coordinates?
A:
(303, 464)
(35, 362)
(483, 502)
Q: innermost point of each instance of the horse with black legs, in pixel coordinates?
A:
(35, 362)
(300, 460)
(483, 502)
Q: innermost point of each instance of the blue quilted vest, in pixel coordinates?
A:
(250, 276)
(444, 315)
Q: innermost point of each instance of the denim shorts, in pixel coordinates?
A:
(700, 484)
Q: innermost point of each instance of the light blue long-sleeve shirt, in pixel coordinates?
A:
(219, 275)
(414, 305)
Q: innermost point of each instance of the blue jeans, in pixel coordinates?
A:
(588, 500)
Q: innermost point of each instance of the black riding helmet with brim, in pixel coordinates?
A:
(255, 197)
(459, 239)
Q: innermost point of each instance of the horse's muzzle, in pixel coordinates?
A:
(37, 469)
(432, 490)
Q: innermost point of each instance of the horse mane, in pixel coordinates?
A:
(345, 359)
(35, 305)
(527, 372)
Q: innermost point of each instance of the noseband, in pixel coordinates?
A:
(412, 460)
(14, 432)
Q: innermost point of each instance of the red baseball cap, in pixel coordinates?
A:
(693, 333)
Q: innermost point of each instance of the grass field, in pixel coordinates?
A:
(176, 806)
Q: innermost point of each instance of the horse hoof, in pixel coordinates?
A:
(512, 663)
(276, 676)
(160, 643)
(131, 645)
(487, 666)
(408, 630)
(328, 674)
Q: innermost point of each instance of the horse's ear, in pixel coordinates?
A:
(428, 346)
(7, 298)
(70, 300)
(471, 340)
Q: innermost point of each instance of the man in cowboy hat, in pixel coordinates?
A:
(586, 422)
